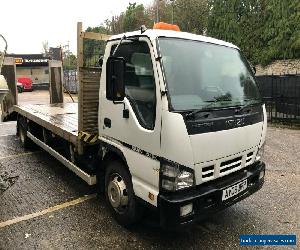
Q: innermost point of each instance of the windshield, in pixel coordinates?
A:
(202, 75)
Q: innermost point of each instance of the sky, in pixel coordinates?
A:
(26, 24)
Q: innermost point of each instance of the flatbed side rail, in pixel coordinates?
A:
(89, 179)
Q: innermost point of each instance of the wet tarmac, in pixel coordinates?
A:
(45, 206)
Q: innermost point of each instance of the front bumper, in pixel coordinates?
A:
(207, 197)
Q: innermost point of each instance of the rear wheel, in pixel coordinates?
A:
(120, 196)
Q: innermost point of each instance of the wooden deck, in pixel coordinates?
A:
(61, 118)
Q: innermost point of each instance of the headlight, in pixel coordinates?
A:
(260, 152)
(175, 177)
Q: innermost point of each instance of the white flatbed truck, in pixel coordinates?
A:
(173, 121)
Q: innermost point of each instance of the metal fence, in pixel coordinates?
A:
(281, 95)
(71, 81)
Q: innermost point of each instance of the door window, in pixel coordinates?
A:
(139, 80)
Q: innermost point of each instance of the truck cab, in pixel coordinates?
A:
(185, 114)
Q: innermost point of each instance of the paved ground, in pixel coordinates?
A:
(39, 97)
(36, 182)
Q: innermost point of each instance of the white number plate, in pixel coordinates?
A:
(234, 190)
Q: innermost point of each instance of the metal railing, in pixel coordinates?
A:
(71, 81)
(281, 94)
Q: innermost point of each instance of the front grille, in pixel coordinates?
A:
(230, 164)
(218, 168)
(249, 158)
(208, 171)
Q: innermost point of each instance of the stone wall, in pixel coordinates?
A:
(278, 67)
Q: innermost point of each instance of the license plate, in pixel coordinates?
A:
(234, 190)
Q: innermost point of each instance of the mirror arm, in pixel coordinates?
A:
(124, 37)
(125, 110)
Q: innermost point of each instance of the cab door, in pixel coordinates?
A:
(139, 134)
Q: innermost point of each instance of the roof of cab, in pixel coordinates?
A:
(154, 33)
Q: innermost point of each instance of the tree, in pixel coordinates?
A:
(93, 49)
(134, 17)
(191, 15)
(70, 61)
(224, 20)
(281, 33)
(265, 30)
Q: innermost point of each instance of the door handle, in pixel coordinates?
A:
(107, 122)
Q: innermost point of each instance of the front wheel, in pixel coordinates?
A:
(120, 196)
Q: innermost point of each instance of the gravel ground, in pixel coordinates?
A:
(282, 150)
(41, 182)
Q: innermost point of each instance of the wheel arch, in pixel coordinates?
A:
(108, 154)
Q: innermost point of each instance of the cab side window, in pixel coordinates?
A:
(139, 80)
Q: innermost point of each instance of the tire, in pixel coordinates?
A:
(22, 133)
(120, 196)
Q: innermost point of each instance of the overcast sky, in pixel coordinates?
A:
(27, 23)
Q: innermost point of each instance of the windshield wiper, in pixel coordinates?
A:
(206, 108)
(243, 107)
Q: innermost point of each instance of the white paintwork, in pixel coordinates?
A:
(175, 142)
(155, 33)
(144, 170)
(215, 145)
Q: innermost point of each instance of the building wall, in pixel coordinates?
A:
(280, 67)
(37, 74)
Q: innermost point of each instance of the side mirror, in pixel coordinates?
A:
(115, 87)
(100, 61)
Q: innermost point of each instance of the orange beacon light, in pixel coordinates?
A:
(166, 26)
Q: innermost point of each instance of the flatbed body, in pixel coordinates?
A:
(60, 118)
